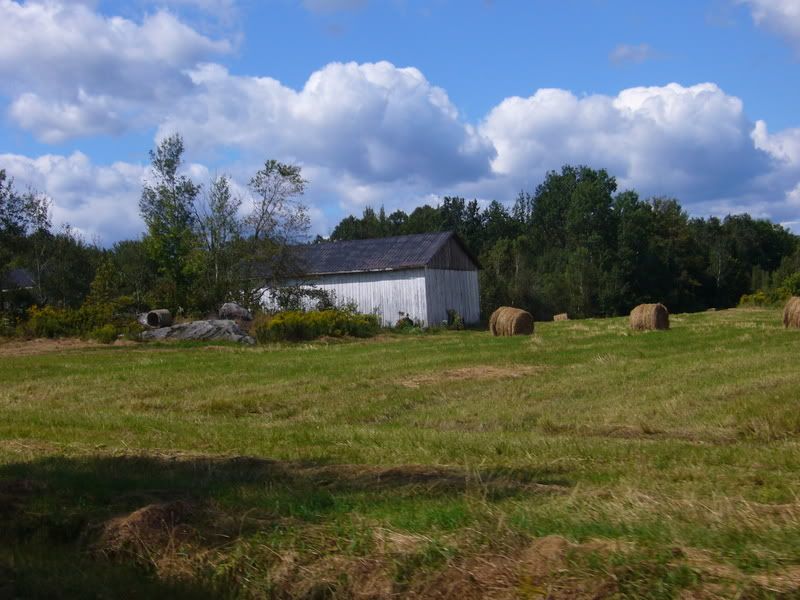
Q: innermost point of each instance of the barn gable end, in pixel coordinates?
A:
(453, 255)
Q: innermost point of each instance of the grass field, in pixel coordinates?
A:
(584, 461)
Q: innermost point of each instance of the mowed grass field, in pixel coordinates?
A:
(584, 461)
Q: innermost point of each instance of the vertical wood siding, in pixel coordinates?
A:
(386, 292)
(452, 289)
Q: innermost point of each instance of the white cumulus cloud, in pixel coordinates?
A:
(779, 16)
(99, 201)
(62, 62)
(374, 122)
(693, 142)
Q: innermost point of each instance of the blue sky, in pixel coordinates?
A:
(398, 102)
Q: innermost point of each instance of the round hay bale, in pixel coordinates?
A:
(160, 317)
(649, 316)
(493, 320)
(496, 316)
(561, 317)
(791, 313)
(507, 320)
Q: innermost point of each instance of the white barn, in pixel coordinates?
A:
(420, 276)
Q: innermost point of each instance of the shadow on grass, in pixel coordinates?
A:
(86, 526)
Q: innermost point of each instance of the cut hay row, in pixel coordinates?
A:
(649, 316)
(791, 313)
(506, 321)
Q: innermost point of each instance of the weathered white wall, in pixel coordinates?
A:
(386, 292)
(452, 289)
(422, 294)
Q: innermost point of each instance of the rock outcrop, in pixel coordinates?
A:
(231, 310)
(216, 330)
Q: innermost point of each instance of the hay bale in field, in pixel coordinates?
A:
(493, 320)
(791, 313)
(650, 316)
(561, 317)
(496, 316)
(507, 320)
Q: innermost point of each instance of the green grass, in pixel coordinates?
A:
(681, 447)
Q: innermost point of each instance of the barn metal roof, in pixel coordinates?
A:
(379, 254)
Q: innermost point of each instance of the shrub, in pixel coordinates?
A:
(791, 285)
(298, 326)
(107, 334)
(404, 323)
(132, 331)
(7, 325)
(454, 320)
(260, 320)
(760, 298)
(407, 326)
(51, 322)
(298, 297)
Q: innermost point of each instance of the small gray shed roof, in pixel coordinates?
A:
(16, 279)
(379, 254)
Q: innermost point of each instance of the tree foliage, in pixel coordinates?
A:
(578, 245)
(219, 231)
(167, 208)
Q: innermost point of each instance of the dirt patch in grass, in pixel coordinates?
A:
(476, 373)
(45, 346)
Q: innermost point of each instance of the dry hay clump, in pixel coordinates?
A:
(507, 320)
(149, 528)
(791, 313)
(561, 317)
(649, 316)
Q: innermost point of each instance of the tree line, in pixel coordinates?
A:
(577, 245)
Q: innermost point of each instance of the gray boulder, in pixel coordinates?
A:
(221, 329)
(231, 310)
